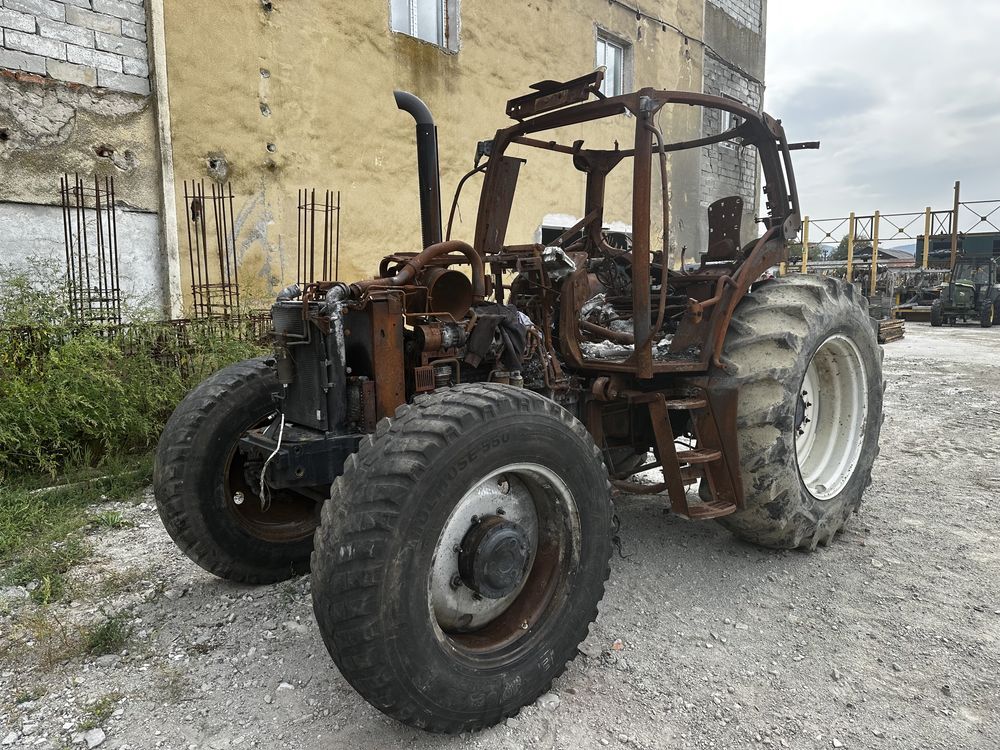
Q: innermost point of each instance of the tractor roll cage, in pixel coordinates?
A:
(711, 292)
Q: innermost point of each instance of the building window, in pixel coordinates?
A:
(729, 121)
(613, 54)
(434, 21)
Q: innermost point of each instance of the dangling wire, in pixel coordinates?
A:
(265, 494)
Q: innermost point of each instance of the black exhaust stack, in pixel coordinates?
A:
(427, 166)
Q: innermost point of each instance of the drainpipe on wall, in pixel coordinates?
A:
(168, 198)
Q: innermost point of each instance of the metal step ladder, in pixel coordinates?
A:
(680, 468)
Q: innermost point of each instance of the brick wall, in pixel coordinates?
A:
(748, 13)
(727, 170)
(90, 42)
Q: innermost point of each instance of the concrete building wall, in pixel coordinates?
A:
(734, 68)
(748, 13)
(75, 98)
(278, 96)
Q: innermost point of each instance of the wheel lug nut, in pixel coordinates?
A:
(501, 512)
(238, 498)
(456, 581)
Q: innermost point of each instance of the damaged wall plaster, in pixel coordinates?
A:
(53, 128)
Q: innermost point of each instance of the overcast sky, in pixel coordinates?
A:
(903, 94)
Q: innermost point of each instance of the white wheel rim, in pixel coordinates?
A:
(831, 415)
(520, 490)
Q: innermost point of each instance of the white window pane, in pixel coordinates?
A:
(617, 53)
(429, 21)
(612, 57)
(399, 15)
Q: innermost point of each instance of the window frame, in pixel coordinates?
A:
(624, 78)
(448, 28)
(728, 121)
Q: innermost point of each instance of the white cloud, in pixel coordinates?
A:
(903, 95)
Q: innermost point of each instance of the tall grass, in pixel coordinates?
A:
(82, 406)
(73, 395)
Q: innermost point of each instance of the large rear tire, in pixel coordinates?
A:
(803, 354)
(207, 506)
(462, 556)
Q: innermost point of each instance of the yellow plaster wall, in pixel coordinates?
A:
(327, 94)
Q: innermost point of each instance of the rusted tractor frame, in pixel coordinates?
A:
(663, 396)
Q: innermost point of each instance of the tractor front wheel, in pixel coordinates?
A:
(208, 506)
(802, 353)
(987, 314)
(462, 556)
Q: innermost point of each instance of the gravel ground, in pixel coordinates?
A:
(887, 639)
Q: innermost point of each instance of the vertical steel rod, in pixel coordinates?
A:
(298, 239)
(851, 230)
(232, 231)
(954, 224)
(805, 246)
(312, 236)
(874, 269)
(187, 220)
(326, 234)
(336, 245)
(927, 237)
(102, 306)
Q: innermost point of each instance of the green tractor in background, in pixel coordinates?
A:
(972, 293)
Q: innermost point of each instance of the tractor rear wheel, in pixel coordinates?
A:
(937, 314)
(207, 504)
(987, 314)
(803, 354)
(462, 556)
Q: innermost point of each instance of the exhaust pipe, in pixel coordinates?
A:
(427, 166)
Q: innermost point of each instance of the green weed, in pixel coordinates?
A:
(29, 695)
(99, 712)
(109, 636)
(47, 566)
(111, 519)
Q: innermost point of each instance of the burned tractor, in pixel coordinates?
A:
(973, 291)
(440, 444)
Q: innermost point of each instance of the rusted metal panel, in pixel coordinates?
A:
(387, 351)
(494, 211)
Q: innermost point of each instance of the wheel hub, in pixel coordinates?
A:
(494, 557)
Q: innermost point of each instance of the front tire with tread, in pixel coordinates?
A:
(937, 314)
(192, 478)
(378, 541)
(987, 315)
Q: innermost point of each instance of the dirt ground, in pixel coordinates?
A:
(888, 639)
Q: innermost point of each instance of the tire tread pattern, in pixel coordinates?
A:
(351, 548)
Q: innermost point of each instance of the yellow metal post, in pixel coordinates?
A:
(850, 249)
(954, 223)
(805, 246)
(927, 236)
(874, 272)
